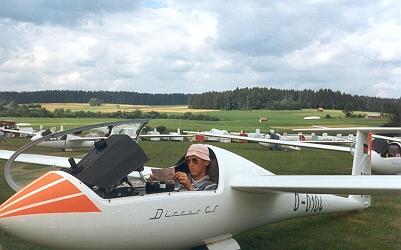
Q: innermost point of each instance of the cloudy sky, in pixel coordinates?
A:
(197, 46)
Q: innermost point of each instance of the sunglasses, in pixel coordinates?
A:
(194, 160)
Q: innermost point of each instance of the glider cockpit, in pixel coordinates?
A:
(106, 169)
(114, 167)
(387, 149)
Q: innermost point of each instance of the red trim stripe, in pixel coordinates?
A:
(62, 197)
(59, 190)
(41, 181)
(78, 204)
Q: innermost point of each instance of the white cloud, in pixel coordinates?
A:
(199, 46)
(386, 89)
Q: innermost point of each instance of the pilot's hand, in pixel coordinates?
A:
(151, 178)
(183, 179)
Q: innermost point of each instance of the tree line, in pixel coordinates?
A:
(81, 96)
(238, 99)
(394, 111)
(271, 98)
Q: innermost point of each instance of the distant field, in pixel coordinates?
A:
(234, 120)
(279, 120)
(108, 108)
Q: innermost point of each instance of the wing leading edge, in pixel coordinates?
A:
(280, 142)
(54, 161)
(140, 136)
(381, 130)
(319, 184)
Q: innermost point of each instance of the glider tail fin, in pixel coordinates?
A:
(362, 161)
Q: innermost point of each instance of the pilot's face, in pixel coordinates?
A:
(197, 166)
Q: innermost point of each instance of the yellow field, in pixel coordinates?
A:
(107, 108)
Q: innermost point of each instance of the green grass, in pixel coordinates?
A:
(234, 120)
(376, 227)
(279, 120)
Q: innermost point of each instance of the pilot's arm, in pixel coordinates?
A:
(184, 180)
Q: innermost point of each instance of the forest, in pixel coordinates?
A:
(271, 98)
(238, 99)
(81, 96)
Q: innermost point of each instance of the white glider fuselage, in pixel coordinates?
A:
(66, 144)
(385, 165)
(172, 220)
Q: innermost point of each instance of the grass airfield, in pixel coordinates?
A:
(232, 120)
(376, 227)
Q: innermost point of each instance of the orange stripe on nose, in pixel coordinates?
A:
(41, 181)
(70, 205)
(59, 190)
(48, 194)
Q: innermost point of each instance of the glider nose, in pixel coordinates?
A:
(46, 209)
(49, 194)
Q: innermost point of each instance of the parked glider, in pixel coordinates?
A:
(386, 151)
(64, 209)
(67, 142)
(224, 136)
(211, 138)
(70, 142)
(380, 164)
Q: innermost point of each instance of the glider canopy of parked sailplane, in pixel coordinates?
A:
(79, 207)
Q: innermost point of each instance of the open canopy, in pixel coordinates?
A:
(110, 161)
(109, 125)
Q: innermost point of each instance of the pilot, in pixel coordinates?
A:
(198, 160)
